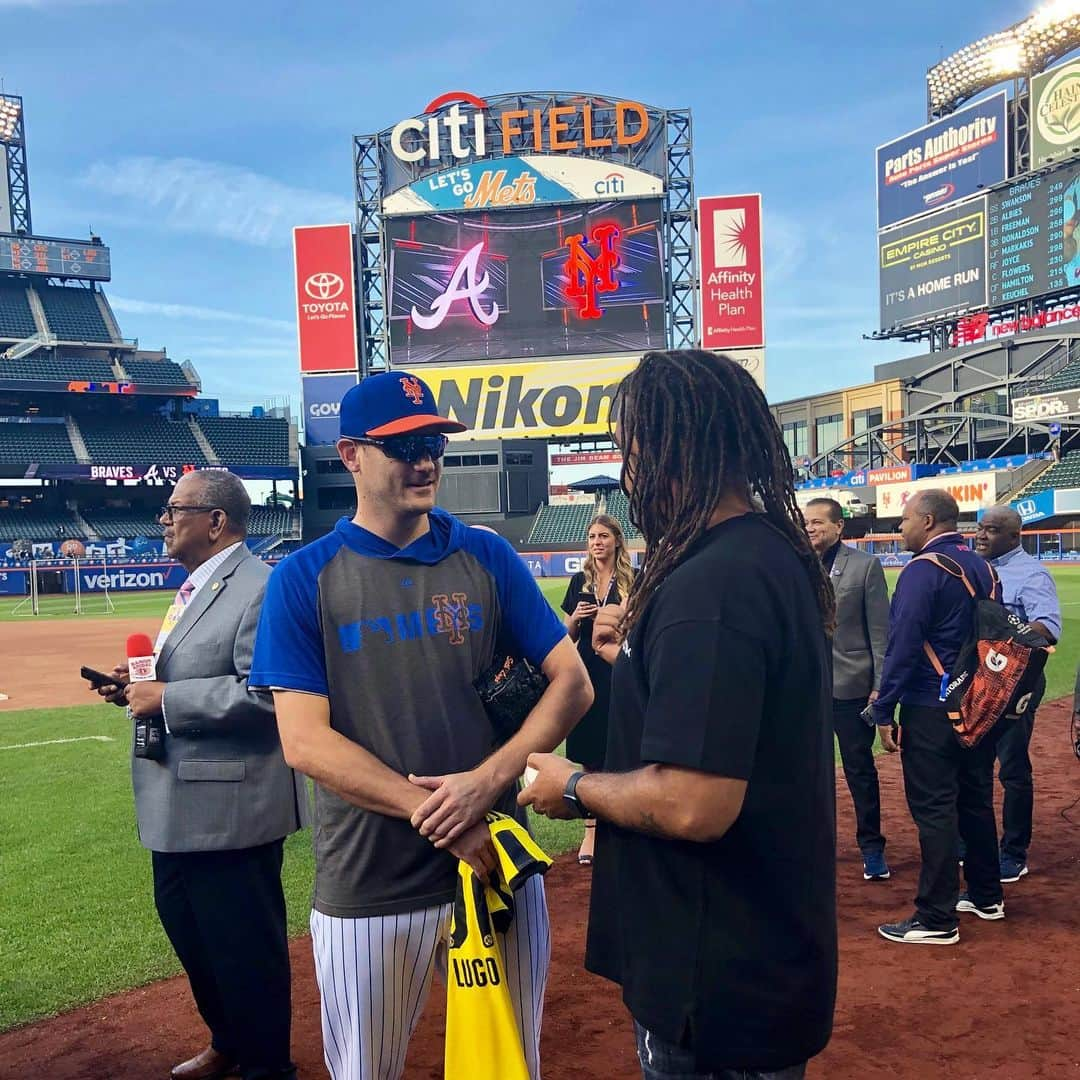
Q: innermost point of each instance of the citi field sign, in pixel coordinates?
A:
(462, 130)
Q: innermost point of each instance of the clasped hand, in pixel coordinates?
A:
(452, 817)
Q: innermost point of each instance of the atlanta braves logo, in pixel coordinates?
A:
(589, 276)
(413, 390)
(452, 616)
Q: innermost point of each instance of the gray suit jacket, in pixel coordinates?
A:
(862, 623)
(223, 783)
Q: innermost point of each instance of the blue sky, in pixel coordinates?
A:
(193, 136)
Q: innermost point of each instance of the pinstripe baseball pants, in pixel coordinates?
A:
(374, 975)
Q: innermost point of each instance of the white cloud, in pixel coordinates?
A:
(201, 314)
(188, 195)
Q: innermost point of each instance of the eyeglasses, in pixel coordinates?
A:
(410, 448)
(167, 511)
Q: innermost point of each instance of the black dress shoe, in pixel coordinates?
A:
(207, 1065)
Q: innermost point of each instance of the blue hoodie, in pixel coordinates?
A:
(394, 639)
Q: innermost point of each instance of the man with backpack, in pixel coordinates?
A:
(949, 786)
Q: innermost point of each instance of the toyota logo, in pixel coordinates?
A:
(324, 286)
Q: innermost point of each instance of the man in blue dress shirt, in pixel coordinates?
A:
(1028, 591)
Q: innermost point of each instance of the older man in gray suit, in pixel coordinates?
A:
(215, 809)
(862, 632)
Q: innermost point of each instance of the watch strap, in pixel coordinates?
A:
(570, 793)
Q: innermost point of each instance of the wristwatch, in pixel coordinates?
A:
(570, 795)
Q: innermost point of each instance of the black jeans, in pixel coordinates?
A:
(1014, 772)
(224, 912)
(856, 739)
(950, 791)
(665, 1061)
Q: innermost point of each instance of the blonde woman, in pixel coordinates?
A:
(606, 579)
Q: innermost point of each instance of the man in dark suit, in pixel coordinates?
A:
(214, 811)
(862, 634)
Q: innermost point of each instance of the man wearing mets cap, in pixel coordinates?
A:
(371, 639)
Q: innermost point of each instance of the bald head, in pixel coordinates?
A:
(998, 532)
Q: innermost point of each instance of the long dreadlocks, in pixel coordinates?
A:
(694, 426)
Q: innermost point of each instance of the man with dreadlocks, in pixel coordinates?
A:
(713, 899)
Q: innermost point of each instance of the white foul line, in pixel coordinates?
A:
(53, 742)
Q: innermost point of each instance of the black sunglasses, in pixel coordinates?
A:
(410, 448)
(166, 512)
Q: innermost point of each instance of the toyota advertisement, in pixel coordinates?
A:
(943, 162)
(325, 298)
(581, 279)
(322, 406)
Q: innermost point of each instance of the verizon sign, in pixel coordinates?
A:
(731, 272)
(325, 298)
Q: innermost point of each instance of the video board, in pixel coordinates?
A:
(570, 280)
(934, 266)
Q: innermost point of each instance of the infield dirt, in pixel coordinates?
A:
(1002, 1005)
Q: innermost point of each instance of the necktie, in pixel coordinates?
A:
(172, 616)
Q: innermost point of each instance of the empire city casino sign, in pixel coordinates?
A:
(572, 127)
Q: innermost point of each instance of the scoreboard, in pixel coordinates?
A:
(1032, 244)
(54, 258)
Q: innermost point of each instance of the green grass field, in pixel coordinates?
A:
(76, 914)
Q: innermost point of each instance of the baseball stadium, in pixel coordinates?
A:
(519, 252)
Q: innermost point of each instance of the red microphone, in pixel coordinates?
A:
(142, 666)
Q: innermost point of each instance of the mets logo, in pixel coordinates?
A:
(452, 615)
(413, 390)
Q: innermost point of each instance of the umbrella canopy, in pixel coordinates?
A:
(595, 483)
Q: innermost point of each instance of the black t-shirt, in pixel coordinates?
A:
(727, 947)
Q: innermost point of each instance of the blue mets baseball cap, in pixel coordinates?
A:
(392, 403)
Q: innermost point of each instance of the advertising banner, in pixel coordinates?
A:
(933, 266)
(544, 400)
(892, 474)
(588, 457)
(325, 298)
(945, 161)
(1055, 114)
(521, 181)
(731, 272)
(559, 281)
(322, 405)
(1033, 243)
(1050, 406)
(1035, 508)
(971, 492)
(753, 360)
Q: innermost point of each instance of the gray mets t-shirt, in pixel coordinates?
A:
(394, 639)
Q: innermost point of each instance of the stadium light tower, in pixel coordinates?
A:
(1020, 51)
(14, 180)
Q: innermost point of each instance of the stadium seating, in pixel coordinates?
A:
(21, 444)
(237, 439)
(73, 314)
(1065, 474)
(156, 373)
(125, 523)
(1067, 378)
(142, 440)
(16, 318)
(37, 524)
(270, 521)
(566, 524)
(46, 368)
(618, 506)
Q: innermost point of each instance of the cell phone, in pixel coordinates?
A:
(96, 678)
(588, 598)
